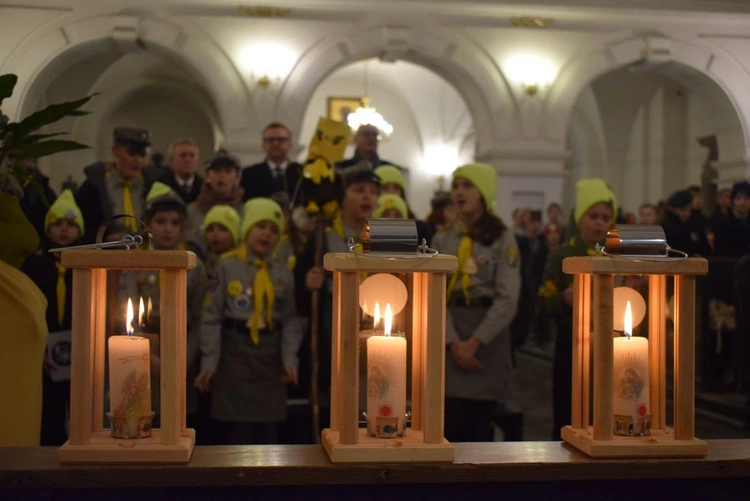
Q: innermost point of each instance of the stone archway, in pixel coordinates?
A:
(48, 52)
(468, 69)
(587, 67)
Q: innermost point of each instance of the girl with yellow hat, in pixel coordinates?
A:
(251, 332)
(596, 206)
(221, 228)
(482, 298)
(63, 226)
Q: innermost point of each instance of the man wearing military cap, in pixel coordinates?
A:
(116, 187)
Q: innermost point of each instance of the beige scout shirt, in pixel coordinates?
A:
(230, 295)
(497, 276)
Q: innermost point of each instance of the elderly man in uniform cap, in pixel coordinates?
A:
(116, 187)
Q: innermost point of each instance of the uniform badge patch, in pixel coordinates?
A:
(512, 256)
(242, 302)
(234, 288)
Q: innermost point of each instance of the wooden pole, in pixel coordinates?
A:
(99, 277)
(434, 359)
(657, 344)
(349, 356)
(684, 357)
(603, 356)
(173, 284)
(578, 326)
(84, 321)
(336, 408)
(419, 323)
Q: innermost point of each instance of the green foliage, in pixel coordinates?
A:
(18, 141)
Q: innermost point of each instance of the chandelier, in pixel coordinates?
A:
(365, 115)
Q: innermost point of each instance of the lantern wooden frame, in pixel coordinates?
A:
(89, 442)
(598, 441)
(424, 440)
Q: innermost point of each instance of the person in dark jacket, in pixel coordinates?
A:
(681, 233)
(276, 173)
(183, 162)
(733, 233)
(63, 227)
(117, 187)
(366, 141)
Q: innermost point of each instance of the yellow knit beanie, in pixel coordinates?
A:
(391, 174)
(591, 191)
(391, 201)
(65, 207)
(261, 209)
(484, 179)
(226, 216)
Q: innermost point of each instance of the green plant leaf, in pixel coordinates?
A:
(44, 148)
(48, 115)
(22, 142)
(7, 83)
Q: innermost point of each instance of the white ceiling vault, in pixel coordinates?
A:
(467, 61)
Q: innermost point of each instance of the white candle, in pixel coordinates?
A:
(129, 373)
(631, 388)
(386, 382)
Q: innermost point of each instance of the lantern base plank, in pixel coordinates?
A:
(409, 448)
(105, 449)
(660, 444)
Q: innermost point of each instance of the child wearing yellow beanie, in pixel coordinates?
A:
(594, 213)
(391, 206)
(393, 182)
(165, 217)
(221, 228)
(482, 298)
(63, 226)
(251, 332)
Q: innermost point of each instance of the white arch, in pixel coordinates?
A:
(585, 68)
(42, 56)
(459, 61)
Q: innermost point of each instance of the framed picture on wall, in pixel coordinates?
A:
(340, 107)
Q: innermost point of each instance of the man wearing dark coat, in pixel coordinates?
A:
(276, 173)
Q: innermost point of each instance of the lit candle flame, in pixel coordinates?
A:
(141, 312)
(129, 318)
(148, 309)
(628, 321)
(376, 316)
(388, 319)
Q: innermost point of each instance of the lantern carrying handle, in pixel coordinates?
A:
(423, 250)
(600, 250)
(127, 241)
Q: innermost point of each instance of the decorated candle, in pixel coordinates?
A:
(129, 373)
(631, 388)
(386, 382)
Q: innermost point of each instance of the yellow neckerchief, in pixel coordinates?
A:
(127, 205)
(61, 291)
(262, 289)
(465, 248)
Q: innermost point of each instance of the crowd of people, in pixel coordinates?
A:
(249, 297)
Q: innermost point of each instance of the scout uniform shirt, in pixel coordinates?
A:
(115, 186)
(247, 384)
(148, 288)
(493, 285)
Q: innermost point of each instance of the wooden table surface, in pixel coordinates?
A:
(520, 462)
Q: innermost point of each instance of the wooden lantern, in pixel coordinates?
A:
(424, 440)
(89, 442)
(599, 441)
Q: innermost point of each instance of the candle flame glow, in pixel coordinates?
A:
(141, 312)
(376, 316)
(388, 319)
(148, 309)
(129, 318)
(628, 321)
